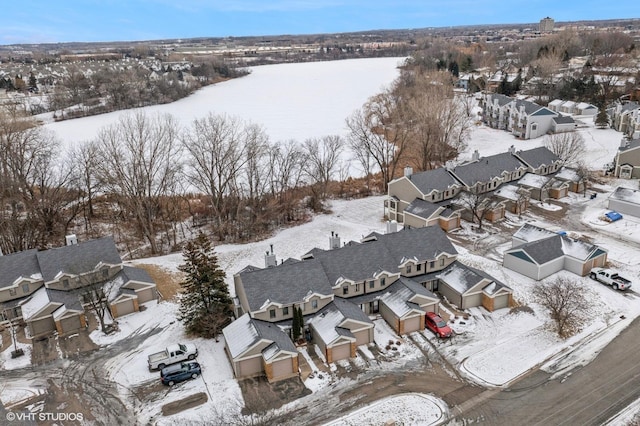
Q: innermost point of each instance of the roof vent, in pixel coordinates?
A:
(334, 241)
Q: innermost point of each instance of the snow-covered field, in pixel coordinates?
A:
(484, 342)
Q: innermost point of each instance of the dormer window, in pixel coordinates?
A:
(408, 269)
(314, 304)
(105, 273)
(419, 267)
(345, 289)
(383, 281)
(65, 283)
(272, 313)
(25, 288)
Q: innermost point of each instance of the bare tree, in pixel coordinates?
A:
(478, 204)
(323, 157)
(568, 146)
(585, 175)
(141, 163)
(565, 301)
(95, 298)
(86, 159)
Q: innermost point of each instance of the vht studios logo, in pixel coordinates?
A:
(42, 417)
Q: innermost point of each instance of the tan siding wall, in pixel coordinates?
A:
(404, 190)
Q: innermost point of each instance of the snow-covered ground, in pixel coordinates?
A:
(291, 101)
(483, 342)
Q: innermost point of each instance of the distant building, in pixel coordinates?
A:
(546, 25)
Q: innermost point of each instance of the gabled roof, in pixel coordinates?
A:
(398, 296)
(626, 194)
(509, 192)
(632, 144)
(537, 157)
(529, 233)
(547, 249)
(43, 296)
(290, 283)
(463, 278)
(21, 264)
(245, 332)
(487, 168)
(533, 180)
(564, 119)
(136, 274)
(437, 179)
(422, 208)
(568, 174)
(78, 258)
(502, 99)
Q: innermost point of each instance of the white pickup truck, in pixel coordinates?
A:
(609, 277)
(171, 355)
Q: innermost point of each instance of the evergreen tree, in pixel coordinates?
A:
(33, 82)
(602, 119)
(295, 327)
(205, 305)
(301, 320)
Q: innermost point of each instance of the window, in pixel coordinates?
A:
(105, 273)
(314, 304)
(285, 310)
(372, 284)
(357, 287)
(408, 269)
(432, 264)
(65, 283)
(345, 289)
(442, 262)
(25, 288)
(383, 281)
(272, 313)
(12, 292)
(419, 267)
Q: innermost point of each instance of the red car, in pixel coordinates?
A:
(436, 324)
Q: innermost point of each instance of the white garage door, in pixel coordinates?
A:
(501, 302)
(412, 324)
(250, 367)
(341, 352)
(282, 368)
(70, 324)
(362, 337)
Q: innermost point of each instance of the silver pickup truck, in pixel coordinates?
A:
(171, 355)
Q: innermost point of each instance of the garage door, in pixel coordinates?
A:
(146, 295)
(501, 302)
(341, 352)
(362, 337)
(412, 324)
(70, 324)
(472, 300)
(42, 326)
(250, 367)
(282, 368)
(125, 307)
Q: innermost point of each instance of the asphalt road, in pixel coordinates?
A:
(588, 395)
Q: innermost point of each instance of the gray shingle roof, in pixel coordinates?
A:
(563, 119)
(487, 168)
(537, 157)
(632, 144)
(289, 283)
(436, 179)
(502, 99)
(274, 333)
(350, 310)
(78, 258)
(16, 265)
(422, 208)
(245, 332)
(136, 274)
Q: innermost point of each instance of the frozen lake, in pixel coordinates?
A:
(291, 101)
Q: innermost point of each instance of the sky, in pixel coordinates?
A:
(44, 21)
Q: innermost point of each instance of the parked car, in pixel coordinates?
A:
(436, 324)
(609, 277)
(172, 355)
(179, 373)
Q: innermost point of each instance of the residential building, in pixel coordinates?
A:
(538, 253)
(627, 160)
(395, 275)
(49, 289)
(625, 200)
(625, 118)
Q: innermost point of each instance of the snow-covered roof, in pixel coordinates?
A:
(529, 233)
(626, 194)
(240, 335)
(533, 180)
(325, 325)
(509, 192)
(397, 301)
(38, 300)
(569, 174)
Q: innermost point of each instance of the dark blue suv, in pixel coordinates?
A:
(179, 373)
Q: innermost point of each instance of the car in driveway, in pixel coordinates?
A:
(436, 324)
(179, 373)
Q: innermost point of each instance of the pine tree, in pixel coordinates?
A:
(295, 327)
(205, 304)
(301, 320)
(602, 119)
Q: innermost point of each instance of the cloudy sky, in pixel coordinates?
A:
(40, 21)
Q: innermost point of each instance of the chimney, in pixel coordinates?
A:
(392, 226)
(270, 258)
(71, 240)
(475, 156)
(408, 171)
(334, 241)
(512, 149)
(449, 166)
(624, 143)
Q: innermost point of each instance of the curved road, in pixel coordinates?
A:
(589, 395)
